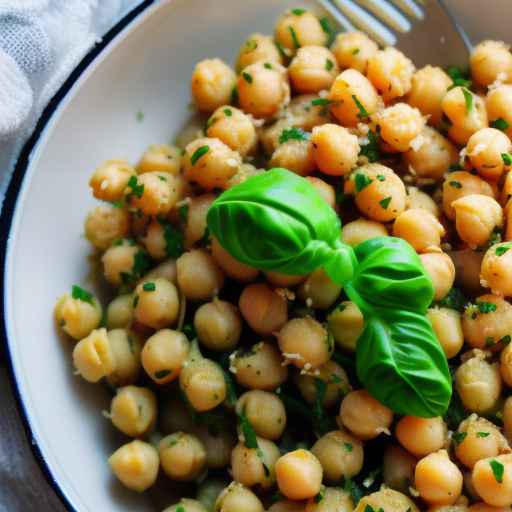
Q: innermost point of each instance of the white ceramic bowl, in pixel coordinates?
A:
(144, 65)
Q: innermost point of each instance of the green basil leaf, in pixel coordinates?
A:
(401, 363)
(390, 274)
(287, 226)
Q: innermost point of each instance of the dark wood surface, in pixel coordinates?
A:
(23, 486)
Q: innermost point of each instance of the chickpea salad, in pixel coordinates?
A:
(263, 356)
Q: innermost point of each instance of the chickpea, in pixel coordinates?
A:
(494, 490)
(252, 468)
(105, 224)
(483, 507)
(283, 280)
(160, 157)
(260, 368)
(187, 505)
(218, 325)
(447, 325)
(467, 265)
(237, 497)
(506, 365)
(333, 375)
(421, 436)
(156, 303)
(182, 456)
(166, 270)
(499, 105)
(432, 159)
(507, 418)
(398, 468)
(133, 410)
(340, 454)
(333, 500)
(175, 416)
(360, 230)
(163, 355)
(459, 184)
(428, 87)
(313, 69)
(354, 50)
(123, 262)
(450, 508)
(93, 357)
(195, 225)
(218, 442)
(324, 189)
(319, 290)
(154, 193)
(210, 163)
(364, 416)
(287, 506)
(263, 90)
(231, 267)
(212, 84)
(258, 48)
(438, 479)
(110, 179)
(495, 270)
(387, 499)
(303, 114)
(126, 347)
(379, 192)
(391, 72)
(508, 230)
(346, 324)
(416, 198)
(154, 240)
(484, 150)
(478, 384)
(199, 277)
(208, 491)
(265, 412)
(420, 228)
(476, 217)
(299, 475)
(351, 84)
(298, 28)
(296, 156)
(305, 343)
(465, 121)
(335, 149)
(202, 381)
(234, 128)
(262, 308)
(490, 61)
(119, 314)
(400, 127)
(76, 316)
(478, 439)
(244, 172)
(135, 464)
(506, 191)
(440, 268)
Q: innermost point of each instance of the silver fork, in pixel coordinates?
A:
(424, 30)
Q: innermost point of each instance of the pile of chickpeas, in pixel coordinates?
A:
(220, 372)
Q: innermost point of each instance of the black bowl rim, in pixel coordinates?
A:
(6, 217)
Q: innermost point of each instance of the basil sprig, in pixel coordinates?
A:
(278, 221)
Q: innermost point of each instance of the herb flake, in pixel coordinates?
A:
(468, 99)
(247, 77)
(458, 437)
(136, 189)
(161, 374)
(329, 64)
(149, 287)
(294, 37)
(385, 202)
(198, 153)
(507, 158)
(298, 12)
(500, 124)
(363, 113)
(293, 134)
(77, 292)
(361, 181)
(498, 469)
(502, 249)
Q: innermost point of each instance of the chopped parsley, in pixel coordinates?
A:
(326, 27)
(189, 331)
(489, 341)
(210, 122)
(371, 150)
(282, 50)
(329, 64)
(320, 496)
(180, 508)
(468, 99)
(355, 51)
(385, 202)
(141, 264)
(149, 287)
(174, 239)
(500, 124)
(320, 102)
(506, 339)
(79, 293)
(198, 153)
(247, 77)
(298, 12)
(267, 65)
(227, 112)
(497, 469)
(486, 307)
(293, 134)
(135, 301)
(183, 213)
(136, 189)
(502, 249)
(161, 374)
(162, 178)
(250, 439)
(251, 44)
(460, 77)
(483, 434)
(363, 113)
(458, 437)
(362, 181)
(355, 490)
(231, 397)
(321, 422)
(381, 177)
(234, 95)
(348, 446)
(294, 37)
(456, 167)
(139, 116)
(455, 184)
(507, 158)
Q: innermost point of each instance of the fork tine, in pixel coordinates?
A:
(410, 8)
(337, 15)
(367, 23)
(387, 13)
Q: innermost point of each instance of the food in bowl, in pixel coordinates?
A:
(271, 363)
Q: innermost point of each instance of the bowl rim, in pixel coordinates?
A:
(7, 214)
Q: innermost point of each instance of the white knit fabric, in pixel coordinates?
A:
(41, 41)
